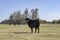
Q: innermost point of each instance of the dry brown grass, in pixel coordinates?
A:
(22, 32)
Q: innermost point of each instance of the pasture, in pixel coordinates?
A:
(22, 32)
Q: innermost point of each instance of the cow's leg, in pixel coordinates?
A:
(38, 29)
(35, 30)
(31, 29)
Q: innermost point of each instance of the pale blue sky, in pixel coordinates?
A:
(48, 9)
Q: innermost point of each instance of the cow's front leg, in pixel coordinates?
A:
(35, 30)
(31, 29)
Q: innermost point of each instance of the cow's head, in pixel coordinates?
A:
(27, 19)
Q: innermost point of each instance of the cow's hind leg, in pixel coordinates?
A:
(38, 29)
(35, 30)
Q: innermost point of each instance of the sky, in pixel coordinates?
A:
(48, 9)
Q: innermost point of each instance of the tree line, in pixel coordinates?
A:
(18, 18)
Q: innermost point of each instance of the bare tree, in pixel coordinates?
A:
(26, 13)
(34, 13)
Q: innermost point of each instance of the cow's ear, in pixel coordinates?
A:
(27, 20)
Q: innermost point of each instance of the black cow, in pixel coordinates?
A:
(33, 24)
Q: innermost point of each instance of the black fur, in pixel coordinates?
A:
(33, 24)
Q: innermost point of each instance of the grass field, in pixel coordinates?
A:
(22, 32)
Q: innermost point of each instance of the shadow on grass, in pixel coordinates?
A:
(22, 32)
